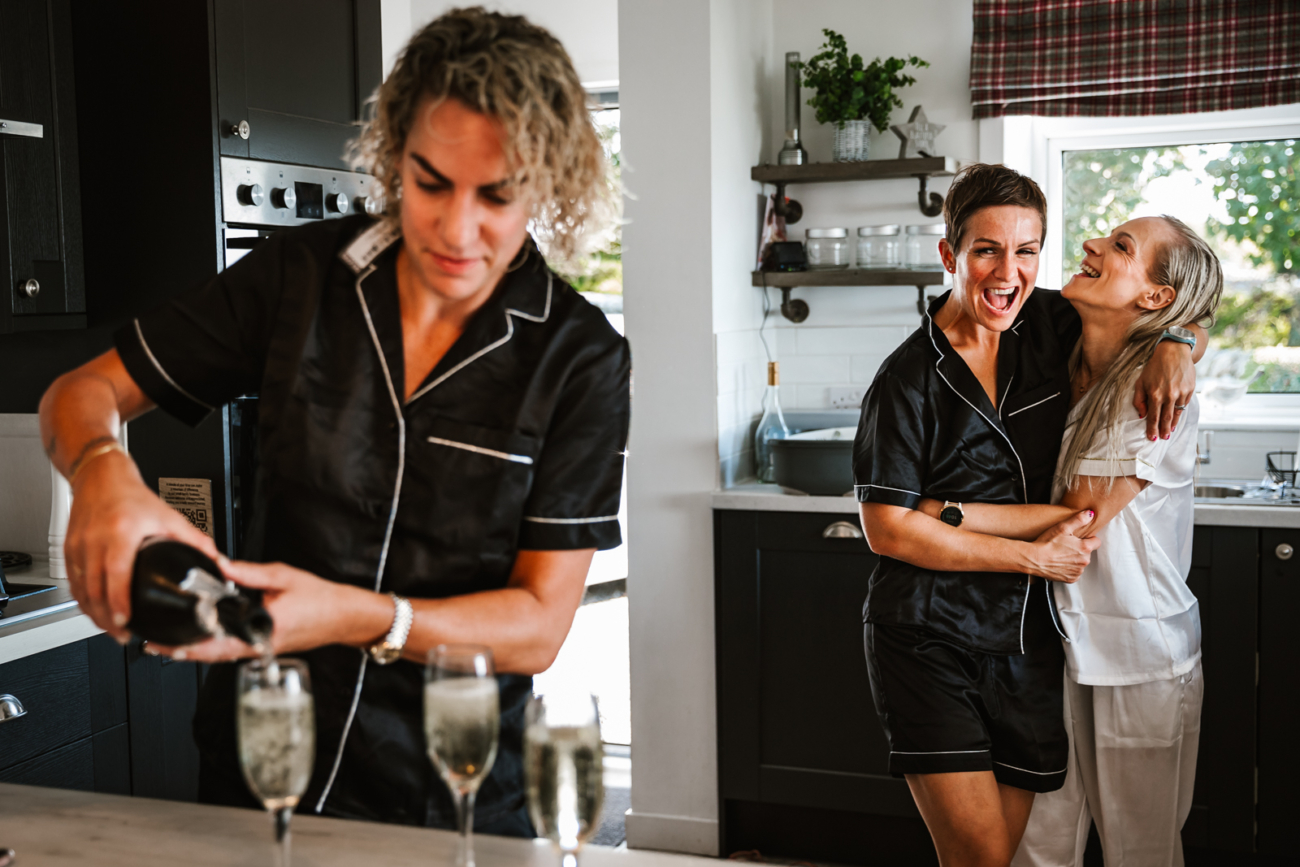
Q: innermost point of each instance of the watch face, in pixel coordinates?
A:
(951, 515)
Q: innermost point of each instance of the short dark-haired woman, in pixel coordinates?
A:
(965, 663)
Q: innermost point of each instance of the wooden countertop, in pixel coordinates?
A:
(57, 826)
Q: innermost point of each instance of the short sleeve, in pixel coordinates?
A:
(1134, 454)
(888, 465)
(579, 478)
(206, 347)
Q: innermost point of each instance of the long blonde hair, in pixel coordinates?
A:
(511, 70)
(1187, 264)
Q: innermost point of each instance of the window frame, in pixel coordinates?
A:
(1034, 146)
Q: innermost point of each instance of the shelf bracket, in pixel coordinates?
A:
(934, 206)
(791, 211)
(794, 309)
(920, 301)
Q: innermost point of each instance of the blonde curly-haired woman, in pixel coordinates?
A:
(442, 422)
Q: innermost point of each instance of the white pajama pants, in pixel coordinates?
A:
(1131, 769)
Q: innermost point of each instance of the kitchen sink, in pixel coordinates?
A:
(1219, 492)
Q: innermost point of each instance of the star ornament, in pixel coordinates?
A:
(917, 135)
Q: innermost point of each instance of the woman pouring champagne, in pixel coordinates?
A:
(442, 424)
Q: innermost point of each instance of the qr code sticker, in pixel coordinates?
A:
(192, 498)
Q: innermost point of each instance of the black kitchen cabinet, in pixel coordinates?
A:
(40, 210)
(801, 756)
(102, 718)
(293, 76)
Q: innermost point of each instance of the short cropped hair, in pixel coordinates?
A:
(988, 185)
(517, 73)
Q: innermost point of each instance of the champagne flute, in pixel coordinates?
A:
(564, 768)
(462, 720)
(277, 737)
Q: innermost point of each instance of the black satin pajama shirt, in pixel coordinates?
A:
(970, 668)
(515, 441)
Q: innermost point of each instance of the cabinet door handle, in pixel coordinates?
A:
(18, 127)
(1284, 551)
(842, 530)
(31, 288)
(241, 129)
(10, 708)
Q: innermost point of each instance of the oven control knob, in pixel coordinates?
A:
(372, 205)
(337, 203)
(250, 194)
(284, 197)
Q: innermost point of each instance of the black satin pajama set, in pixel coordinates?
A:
(515, 441)
(966, 668)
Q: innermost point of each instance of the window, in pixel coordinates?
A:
(1244, 199)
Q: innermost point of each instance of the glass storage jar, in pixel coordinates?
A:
(922, 247)
(827, 248)
(879, 247)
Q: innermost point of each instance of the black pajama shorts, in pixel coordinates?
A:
(946, 708)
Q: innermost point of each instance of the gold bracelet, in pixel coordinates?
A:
(97, 451)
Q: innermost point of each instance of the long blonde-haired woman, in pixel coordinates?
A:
(442, 422)
(1133, 676)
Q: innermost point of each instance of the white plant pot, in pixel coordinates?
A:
(852, 141)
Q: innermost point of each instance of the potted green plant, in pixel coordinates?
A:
(852, 95)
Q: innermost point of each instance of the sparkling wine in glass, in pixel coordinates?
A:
(277, 737)
(462, 721)
(564, 769)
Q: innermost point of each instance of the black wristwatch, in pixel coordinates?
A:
(952, 513)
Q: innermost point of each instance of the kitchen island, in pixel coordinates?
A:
(803, 762)
(56, 826)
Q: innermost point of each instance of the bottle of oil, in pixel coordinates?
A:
(178, 597)
(771, 426)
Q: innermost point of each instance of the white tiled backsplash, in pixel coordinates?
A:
(25, 486)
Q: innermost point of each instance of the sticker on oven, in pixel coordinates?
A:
(192, 498)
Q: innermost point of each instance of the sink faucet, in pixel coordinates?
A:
(1203, 456)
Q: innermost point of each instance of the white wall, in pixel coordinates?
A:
(850, 331)
(587, 28)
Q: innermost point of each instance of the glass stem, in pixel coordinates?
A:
(465, 819)
(282, 817)
(569, 859)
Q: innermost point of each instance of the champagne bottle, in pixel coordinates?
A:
(178, 597)
(771, 426)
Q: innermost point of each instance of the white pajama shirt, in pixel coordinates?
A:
(1133, 676)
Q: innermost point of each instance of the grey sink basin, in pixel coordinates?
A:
(1219, 492)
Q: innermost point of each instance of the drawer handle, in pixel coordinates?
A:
(1284, 551)
(842, 530)
(10, 708)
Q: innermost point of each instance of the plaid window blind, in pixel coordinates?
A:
(1133, 57)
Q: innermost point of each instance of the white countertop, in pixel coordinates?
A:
(57, 827)
(47, 630)
(758, 497)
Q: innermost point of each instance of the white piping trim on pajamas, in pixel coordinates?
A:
(571, 520)
(173, 383)
(1024, 483)
(1032, 405)
(887, 488)
(510, 332)
(388, 531)
(479, 450)
(1035, 773)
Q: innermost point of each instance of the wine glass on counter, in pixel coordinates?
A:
(462, 721)
(564, 769)
(277, 737)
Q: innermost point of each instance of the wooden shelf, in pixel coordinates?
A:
(847, 277)
(867, 170)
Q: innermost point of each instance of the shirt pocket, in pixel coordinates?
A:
(471, 481)
(1035, 420)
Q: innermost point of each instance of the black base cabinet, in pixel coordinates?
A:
(101, 718)
(802, 759)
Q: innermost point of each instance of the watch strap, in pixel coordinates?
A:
(389, 649)
(1179, 335)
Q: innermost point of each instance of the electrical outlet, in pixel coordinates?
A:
(846, 397)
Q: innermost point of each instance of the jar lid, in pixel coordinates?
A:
(932, 229)
(828, 233)
(864, 231)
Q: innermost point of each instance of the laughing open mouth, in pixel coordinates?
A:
(1000, 299)
(1088, 271)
